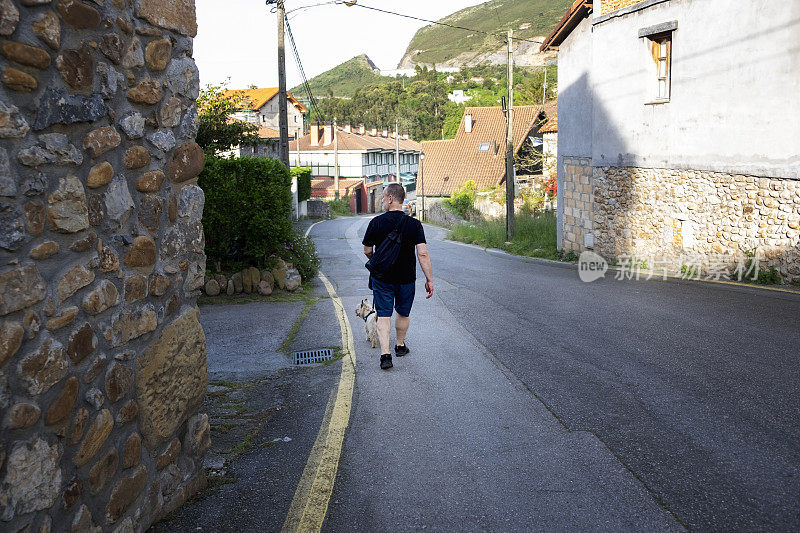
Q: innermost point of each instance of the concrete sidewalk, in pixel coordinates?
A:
(265, 412)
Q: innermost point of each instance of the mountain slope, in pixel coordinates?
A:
(342, 79)
(446, 46)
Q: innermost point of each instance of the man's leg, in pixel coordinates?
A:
(401, 326)
(384, 326)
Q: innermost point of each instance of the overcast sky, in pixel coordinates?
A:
(238, 38)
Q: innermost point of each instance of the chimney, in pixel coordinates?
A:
(468, 123)
(384, 132)
(373, 132)
(347, 128)
(327, 134)
(361, 129)
(405, 136)
(314, 133)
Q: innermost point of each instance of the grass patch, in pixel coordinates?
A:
(223, 428)
(534, 235)
(338, 353)
(223, 383)
(244, 445)
(298, 323)
(236, 407)
(217, 480)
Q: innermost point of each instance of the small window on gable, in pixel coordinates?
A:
(661, 49)
(484, 147)
(658, 40)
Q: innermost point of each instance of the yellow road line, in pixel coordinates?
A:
(311, 226)
(310, 502)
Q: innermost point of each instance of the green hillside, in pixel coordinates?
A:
(342, 80)
(436, 44)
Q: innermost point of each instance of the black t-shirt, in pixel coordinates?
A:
(405, 269)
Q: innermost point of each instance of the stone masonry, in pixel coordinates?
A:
(680, 215)
(578, 203)
(607, 6)
(102, 356)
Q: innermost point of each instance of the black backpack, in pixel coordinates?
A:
(386, 253)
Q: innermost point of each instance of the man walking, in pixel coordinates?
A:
(394, 288)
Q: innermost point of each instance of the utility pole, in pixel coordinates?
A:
(510, 143)
(335, 159)
(397, 149)
(283, 119)
(544, 85)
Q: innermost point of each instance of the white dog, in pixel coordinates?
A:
(370, 317)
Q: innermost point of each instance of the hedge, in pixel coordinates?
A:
(248, 203)
(303, 175)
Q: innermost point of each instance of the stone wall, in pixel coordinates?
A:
(607, 6)
(318, 209)
(578, 208)
(102, 356)
(679, 215)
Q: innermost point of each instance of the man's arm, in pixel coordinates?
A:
(368, 251)
(425, 262)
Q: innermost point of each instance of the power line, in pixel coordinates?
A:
(306, 85)
(433, 21)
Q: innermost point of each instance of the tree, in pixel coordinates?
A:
(218, 130)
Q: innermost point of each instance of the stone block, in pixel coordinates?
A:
(171, 378)
(62, 405)
(43, 368)
(186, 163)
(75, 279)
(33, 478)
(11, 334)
(103, 470)
(130, 324)
(132, 451)
(67, 210)
(22, 415)
(125, 493)
(104, 296)
(178, 15)
(95, 437)
(48, 29)
(119, 380)
(169, 455)
(78, 15)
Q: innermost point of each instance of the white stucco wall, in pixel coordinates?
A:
(575, 95)
(735, 82)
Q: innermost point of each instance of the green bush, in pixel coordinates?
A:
(303, 175)
(463, 199)
(246, 215)
(302, 253)
(340, 207)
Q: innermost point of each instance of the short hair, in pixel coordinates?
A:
(396, 191)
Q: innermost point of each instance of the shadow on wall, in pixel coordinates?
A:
(666, 217)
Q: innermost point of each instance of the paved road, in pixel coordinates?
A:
(532, 400)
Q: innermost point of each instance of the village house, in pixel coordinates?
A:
(366, 159)
(477, 152)
(678, 124)
(263, 110)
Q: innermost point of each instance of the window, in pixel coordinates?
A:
(484, 147)
(658, 40)
(661, 48)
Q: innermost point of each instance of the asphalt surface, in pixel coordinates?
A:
(534, 401)
(530, 402)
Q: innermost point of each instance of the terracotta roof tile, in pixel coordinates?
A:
(574, 15)
(356, 142)
(551, 126)
(259, 97)
(449, 164)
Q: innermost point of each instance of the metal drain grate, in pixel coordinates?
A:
(309, 357)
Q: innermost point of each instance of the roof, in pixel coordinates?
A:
(449, 164)
(263, 131)
(355, 141)
(323, 187)
(579, 10)
(259, 97)
(551, 126)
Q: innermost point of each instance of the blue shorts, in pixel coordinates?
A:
(388, 295)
